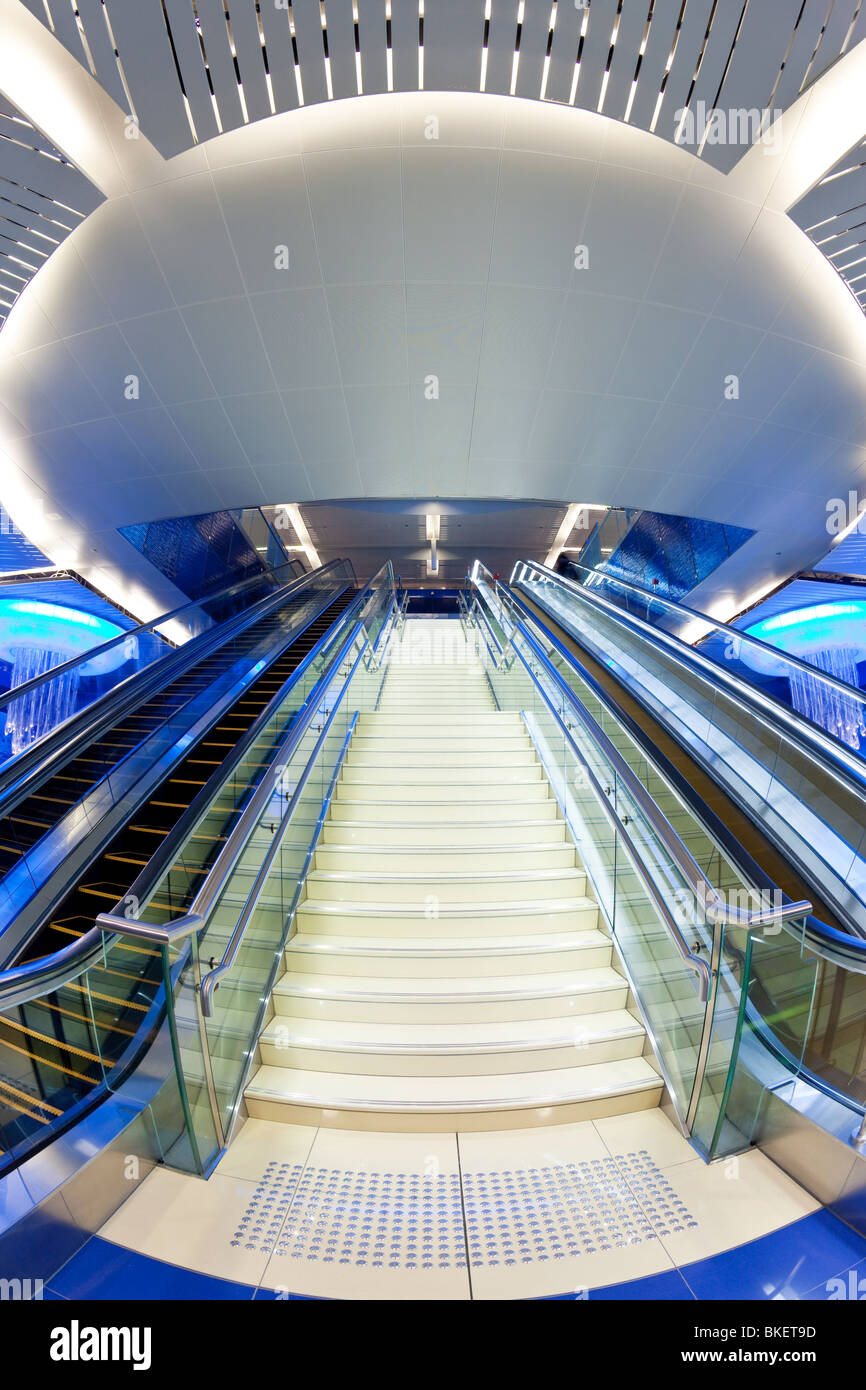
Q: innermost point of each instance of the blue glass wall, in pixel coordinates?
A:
(197, 553)
(673, 554)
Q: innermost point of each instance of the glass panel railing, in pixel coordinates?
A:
(34, 708)
(820, 699)
(36, 846)
(806, 791)
(74, 1025)
(667, 890)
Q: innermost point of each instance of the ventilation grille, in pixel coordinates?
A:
(189, 69)
(42, 199)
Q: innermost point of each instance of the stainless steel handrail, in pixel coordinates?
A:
(26, 687)
(17, 774)
(717, 908)
(692, 615)
(212, 979)
(26, 982)
(832, 755)
(241, 832)
(693, 961)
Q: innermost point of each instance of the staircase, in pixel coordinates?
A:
(448, 969)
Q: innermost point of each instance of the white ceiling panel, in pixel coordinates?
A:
(519, 335)
(444, 327)
(168, 359)
(369, 324)
(319, 423)
(305, 355)
(659, 336)
(191, 278)
(357, 203)
(722, 349)
(229, 344)
(265, 215)
(380, 418)
(405, 31)
(589, 343)
(262, 428)
(540, 213)
(448, 196)
(623, 253)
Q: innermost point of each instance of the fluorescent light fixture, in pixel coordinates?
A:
(569, 521)
(293, 512)
(433, 523)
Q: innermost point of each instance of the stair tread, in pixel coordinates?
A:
(452, 1037)
(512, 1089)
(443, 945)
(535, 906)
(449, 988)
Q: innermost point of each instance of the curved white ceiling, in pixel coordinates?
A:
(444, 250)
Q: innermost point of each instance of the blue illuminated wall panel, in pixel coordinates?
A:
(672, 554)
(197, 553)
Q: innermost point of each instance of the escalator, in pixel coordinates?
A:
(789, 1004)
(109, 877)
(83, 789)
(72, 1041)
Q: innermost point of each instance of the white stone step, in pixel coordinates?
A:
(400, 809)
(454, 1000)
(344, 858)
(423, 756)
(465, 776)
(510, 789)
(487, 724)
(533, 885)
(441, 957)
(572, 1093)
(481, 919)
(425, 834)
(446, 1049)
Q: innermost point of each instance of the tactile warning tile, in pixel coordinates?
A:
(519, 1216)
(507, 1217)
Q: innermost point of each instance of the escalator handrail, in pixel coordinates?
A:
(148, 879)
(714, 904)
(690, 959)
(838, 947)
(737, 634)
(63, 667)
(814, 741)
(18, 774)
(26, 982)
(235, 845)
(212, 979)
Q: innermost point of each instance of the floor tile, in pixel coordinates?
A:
(224, 1227)
(698, 1209)
(102, 1270)
(648, 1131)
(261, 1142)
(375, 1216)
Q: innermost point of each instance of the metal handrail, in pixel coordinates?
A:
(692, 614)
(234, 846)
(717, 908)
(17, 774)
(212, 979)
(693, 961)
(25, 982)
(63, 667)
(813, 740)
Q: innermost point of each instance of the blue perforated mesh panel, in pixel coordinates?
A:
(197, 553)
(672, 554)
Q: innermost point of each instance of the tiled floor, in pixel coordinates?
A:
(616, 1208)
